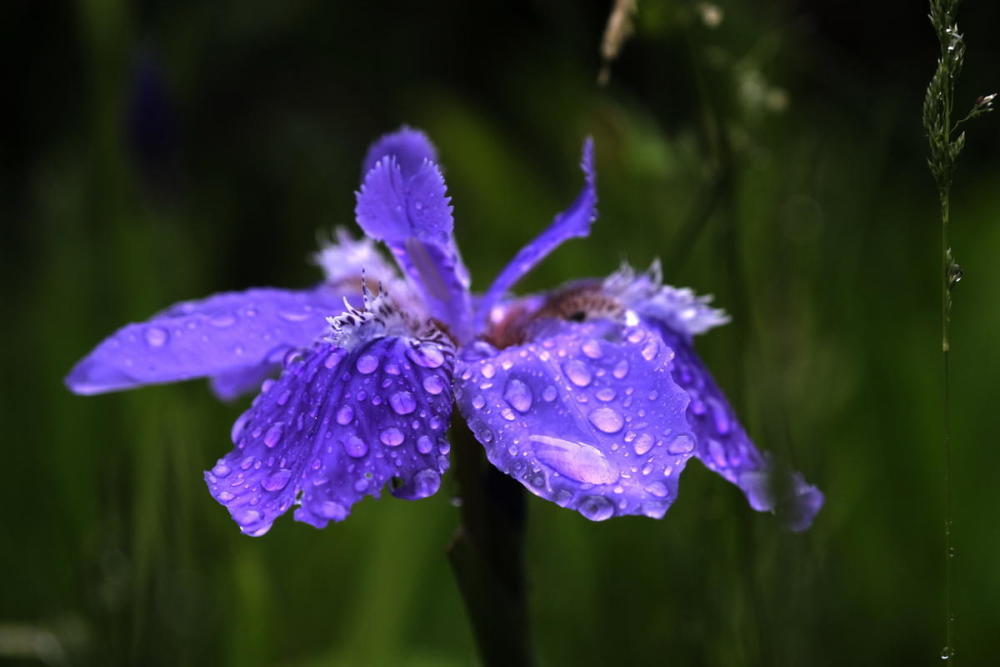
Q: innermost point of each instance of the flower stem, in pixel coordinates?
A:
(487, 555)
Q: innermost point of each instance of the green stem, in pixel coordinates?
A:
(487, 555)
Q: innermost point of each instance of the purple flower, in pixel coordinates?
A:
(591, 395)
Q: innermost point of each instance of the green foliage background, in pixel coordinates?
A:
(775, 160)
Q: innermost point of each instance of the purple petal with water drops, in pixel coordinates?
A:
(724, 447)
(336, 426)
(222, 334)
(410, 147)
(587, 416)
(573, 222)
(411, 214)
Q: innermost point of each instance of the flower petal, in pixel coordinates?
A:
(338, 425)
(222, 334)
(586, 416)
(677, 307)
(412, 215)
(410, 147)
(724, 447)
(573, 222)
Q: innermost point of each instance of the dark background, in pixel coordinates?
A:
(157, 151)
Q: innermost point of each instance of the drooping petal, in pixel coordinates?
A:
(410, 147)
(411, 214)
(222, 334)
(724, 447)
(336, 426)
(587, 416)
(573, 222)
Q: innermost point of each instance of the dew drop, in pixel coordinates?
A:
(433, 384)
(225, 496)
(277, 480)
(425, 483)
(576, 460)
(424, 444)
(426, 355)
(488, 371)
(391, 437)
(578, 372)
(293, 315)
(273, 435)
(596, 508)
(658, 489)
(643, 444)
(245, 517)
(621, 369)
(518, 395)
(403, 403)
(355, 446)
(366, 364)
(649, 350)
(606, 420)
(222, 321)
(156, 337)
(592, 348)
(285, 395)
(345, 415)
(329, 509)
(549, 394)
(682, 444)
(478, 402)
(606, 394)
(221, 469)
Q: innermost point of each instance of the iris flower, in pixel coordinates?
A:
(590, 395)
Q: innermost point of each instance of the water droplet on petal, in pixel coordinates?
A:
(596, 508)
(221, 469)
(549, 394)
(355, 446)
(518, 395)
(433, 384)
(285, 395)
(424, 444)
(488, 371)
(273, 435)
(578, 372)
(156, 337)
(576, 460)
(293, 315)
(621, 369)
(426, 355)
(643, 444)
(245, 517)
(606, 420)
(403, 403)
(345, 415)
(277, 480)
(650, 349)
(592, 348)
(222, 321)
(682, 444)
(366, 364)
(391, 437)
(425, 483)
(606, 394)
(478, 402)
(329, 509)
(658, 489)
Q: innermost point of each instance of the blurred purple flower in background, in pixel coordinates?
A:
(590, 395)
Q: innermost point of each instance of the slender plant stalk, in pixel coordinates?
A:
(945, 144)
(487, 555)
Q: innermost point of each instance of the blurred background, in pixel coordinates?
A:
(770, 153)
